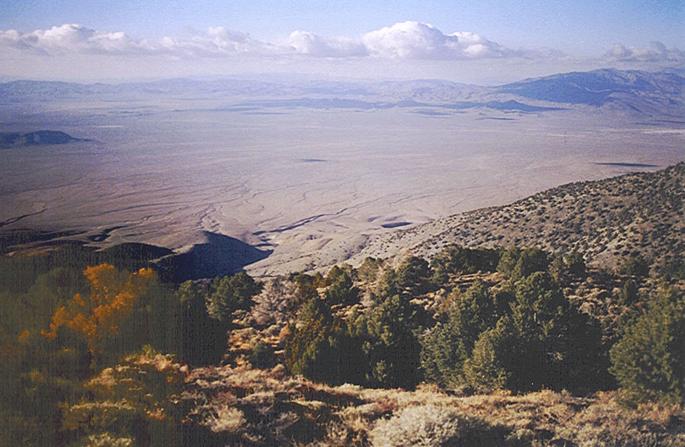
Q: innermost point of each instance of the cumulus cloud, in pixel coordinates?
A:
(656, 52)
(416, 40)
(405, 40)
(304, 42)
(73, 38)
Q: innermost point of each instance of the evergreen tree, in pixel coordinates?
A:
(629, 293)
(230, 293)
(516, 263)
(413, 277)
(447, 346)
(490, 365)
(342, 289)
(649, 360)
(390, 343)
(460, 260)
(567, 267)
(202, 339)
(320, 347)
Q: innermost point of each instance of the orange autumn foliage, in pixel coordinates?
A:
(112, 297)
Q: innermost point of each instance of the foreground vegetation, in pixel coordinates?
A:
(580, 341)
(474, 347)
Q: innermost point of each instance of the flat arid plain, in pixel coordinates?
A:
(304, 179)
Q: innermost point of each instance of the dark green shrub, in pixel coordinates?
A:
(412, 277)
(649, 360)
(446, 347)
(341, 289)
(262, 356)
(201, 339)
(629, 293)
(230, 293)
(320, 347)
(387, 285)
(493, 358)
(559, 346)
(516, 263)
(460, 260)
(307, 285)
(339, 273)
(535, 339)
(567, 267)
(507, 261)
(634, 265)
(675, 269)
(369, 269)
(390, 344)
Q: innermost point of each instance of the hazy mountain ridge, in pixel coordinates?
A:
(604, 220)
(595, 87)
(640, 91)
(643, 92)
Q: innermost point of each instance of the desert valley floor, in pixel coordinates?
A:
(308, 185)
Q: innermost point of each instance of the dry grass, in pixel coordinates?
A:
(269, 408)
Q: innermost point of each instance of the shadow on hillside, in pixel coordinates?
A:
(220, 255)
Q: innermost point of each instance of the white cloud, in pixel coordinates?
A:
(72, 38)
(656, 52)
(406, 40)
(401, 41)
(304, 42)
(415, 40)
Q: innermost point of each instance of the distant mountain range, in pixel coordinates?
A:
(596, 87)
(641, 92)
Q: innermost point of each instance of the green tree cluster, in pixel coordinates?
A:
(530, 339)
(649, 360)
(227, 294)
(461, 260)
(319, 346)
(517, 263)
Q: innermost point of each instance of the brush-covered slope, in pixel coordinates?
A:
(605, 220)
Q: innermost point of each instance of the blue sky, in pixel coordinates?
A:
(570, 25)
(580, 30)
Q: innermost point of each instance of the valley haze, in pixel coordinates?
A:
(305, 171)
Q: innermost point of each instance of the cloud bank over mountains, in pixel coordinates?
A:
(404, 40)
(656, 52)
(406, 49)
(74, 38)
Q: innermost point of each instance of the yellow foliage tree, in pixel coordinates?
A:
(113, 295)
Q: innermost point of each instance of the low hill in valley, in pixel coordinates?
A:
(39, 137)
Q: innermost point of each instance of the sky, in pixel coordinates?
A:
(484, 41)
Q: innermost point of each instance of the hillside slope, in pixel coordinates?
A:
(604, 220)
